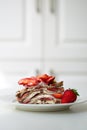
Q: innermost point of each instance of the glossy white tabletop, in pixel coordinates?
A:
(73, 119)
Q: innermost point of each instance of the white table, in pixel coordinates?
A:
(73, 119)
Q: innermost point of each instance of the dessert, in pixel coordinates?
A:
(43, 89)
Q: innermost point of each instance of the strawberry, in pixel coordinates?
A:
(28, 82)
(33, 81)
(46, 78)
(58, 95)
(69, 96)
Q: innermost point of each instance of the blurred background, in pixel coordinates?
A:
(43, 36)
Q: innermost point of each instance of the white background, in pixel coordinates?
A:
(45, 35)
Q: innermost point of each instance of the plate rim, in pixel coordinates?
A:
(45, 107)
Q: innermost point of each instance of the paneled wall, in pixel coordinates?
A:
(45, 36)
(20, 40)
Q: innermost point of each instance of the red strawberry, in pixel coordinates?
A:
(69, 96)
(46, 78)
(28, 82)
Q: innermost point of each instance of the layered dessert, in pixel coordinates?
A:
(42, 89)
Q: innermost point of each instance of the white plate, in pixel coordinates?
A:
(46, 107)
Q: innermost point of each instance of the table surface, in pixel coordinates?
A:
(74, 118)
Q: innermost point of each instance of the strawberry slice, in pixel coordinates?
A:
(33, 81)
(28, 82)
(54, 89)
(46, 78)
(57, 95)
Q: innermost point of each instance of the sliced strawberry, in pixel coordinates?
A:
(54, 89)
(46, 78)
(28, 81)
(57, 95)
